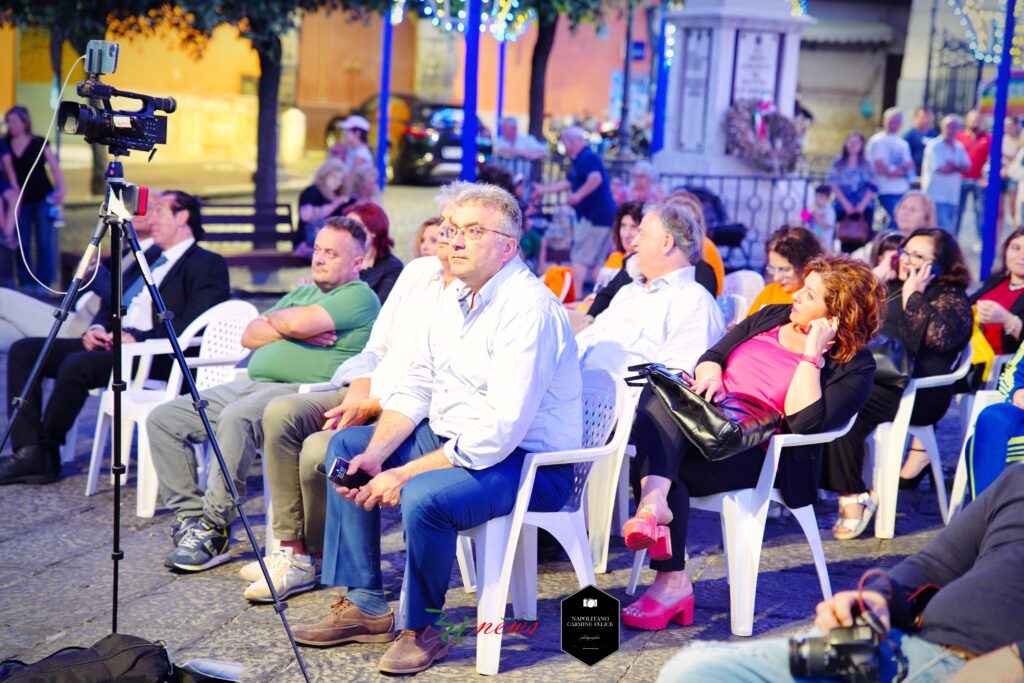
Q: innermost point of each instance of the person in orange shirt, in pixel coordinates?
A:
(789, 250)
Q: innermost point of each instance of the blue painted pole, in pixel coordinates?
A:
(501, 84)
(989, 235)
(661, 85)
(469, 126)
(383, 100)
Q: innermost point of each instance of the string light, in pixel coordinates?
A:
(503, 19)
(985, 27)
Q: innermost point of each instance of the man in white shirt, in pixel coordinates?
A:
(667, 317)
(893, 161)
(944, 160)
(496, 376)
(298, 427)
(511, 144)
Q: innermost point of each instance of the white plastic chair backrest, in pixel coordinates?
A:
(959, 372)
(734, 307)
(746, 283)
(766, 481)
(222, 327)
(603, 398)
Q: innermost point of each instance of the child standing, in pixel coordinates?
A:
(820, 217)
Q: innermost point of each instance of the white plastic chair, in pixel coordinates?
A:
(888, 443)
(743, 514)
(734, 307)
(746, 283)
(506, 547)
(997, 369)
(220, 349)
(982, 400)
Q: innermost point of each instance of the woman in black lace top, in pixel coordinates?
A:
(929, 312)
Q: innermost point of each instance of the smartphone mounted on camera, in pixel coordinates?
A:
(338, 475)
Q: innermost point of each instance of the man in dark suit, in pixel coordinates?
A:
(190, 279)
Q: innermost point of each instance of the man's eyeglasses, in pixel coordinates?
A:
(914, 258)
(471, 232)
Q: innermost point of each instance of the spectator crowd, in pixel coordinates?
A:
(434, 379)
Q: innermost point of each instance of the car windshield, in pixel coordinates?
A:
(446, 118)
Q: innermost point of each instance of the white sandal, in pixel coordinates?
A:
(847, 528)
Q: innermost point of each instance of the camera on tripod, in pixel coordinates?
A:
(119, 130)
(845, 654)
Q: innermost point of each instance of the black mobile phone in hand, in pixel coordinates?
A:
(339, 476)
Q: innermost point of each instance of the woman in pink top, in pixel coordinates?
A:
(810, 361)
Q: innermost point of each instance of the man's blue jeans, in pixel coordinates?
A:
(946, 215)
(767, 661)
(37, 215)
(974, 189)
(435, 506)
(889, 202)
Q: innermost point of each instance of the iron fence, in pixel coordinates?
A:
(762, 203)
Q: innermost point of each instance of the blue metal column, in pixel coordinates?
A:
(661, 85)
(501, 85)
(989, 236)
(383, 100)
(469, 127)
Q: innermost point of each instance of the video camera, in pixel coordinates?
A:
(119, 130)
(846, 654)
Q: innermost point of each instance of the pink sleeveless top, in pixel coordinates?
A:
(761, 368)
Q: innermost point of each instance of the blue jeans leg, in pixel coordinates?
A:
(767, 661)
(991, 448)
(437, 505)
(889, 202)
(946, 215)
(351, 534)
(34, 218)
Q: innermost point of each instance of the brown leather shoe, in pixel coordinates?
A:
(414, 651)
(346, 623)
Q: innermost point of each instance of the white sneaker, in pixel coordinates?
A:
(291, 573)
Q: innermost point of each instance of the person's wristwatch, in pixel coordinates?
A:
(817, 361)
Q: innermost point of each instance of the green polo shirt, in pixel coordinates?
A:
(353, 307)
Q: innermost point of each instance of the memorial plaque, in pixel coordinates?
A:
(693, 109)
(755, 72)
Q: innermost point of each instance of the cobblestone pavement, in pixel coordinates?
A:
(55, 586)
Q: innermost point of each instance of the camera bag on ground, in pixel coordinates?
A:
(117, 657)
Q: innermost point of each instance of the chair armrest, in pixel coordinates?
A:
(317, 386)
(214, 362)
(154, 347)
(568, 457)
(787, 440)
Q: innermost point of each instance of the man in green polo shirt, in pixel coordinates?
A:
(301, 339)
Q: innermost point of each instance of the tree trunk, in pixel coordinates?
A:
(546, 27)
(97, 179)
(266, 128)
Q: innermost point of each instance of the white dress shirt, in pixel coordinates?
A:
(140, 308)
(671, 320)
(502, 376)
(403, 320)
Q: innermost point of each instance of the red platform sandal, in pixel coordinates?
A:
(643, 532)
(650, 615)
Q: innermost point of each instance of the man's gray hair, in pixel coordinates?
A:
(482, 194)
(948, 119)
(889, 114)
(686, 231)
(448, 193)
(573, 133)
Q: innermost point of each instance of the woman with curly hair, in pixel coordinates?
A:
(809, 361)
(788, 250)
(381, 268)
(927, 310)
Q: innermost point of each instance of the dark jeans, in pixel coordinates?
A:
(842, 469)
(662, 450)
(75, 370)
(34, 219)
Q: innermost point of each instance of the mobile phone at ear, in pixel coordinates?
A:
(339, 475)
(937, 270)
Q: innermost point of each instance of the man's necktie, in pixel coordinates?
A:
(136, 286)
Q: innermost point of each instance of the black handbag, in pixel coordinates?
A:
(893, 363)
(718, 430)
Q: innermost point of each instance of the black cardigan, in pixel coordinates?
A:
(844, 386)
(1010, 344)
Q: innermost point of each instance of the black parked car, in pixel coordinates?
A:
(425, 138)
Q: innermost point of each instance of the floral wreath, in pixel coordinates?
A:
(763, 137)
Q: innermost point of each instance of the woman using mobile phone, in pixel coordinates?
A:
(928, 312)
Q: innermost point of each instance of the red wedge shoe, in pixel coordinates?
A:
(642, 532)
(650, 615)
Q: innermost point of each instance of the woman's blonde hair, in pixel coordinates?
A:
(330, 166)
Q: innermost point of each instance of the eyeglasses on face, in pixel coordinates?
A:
(913, 258)
(788, 270)
(471, 232)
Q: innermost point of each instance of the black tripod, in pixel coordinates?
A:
(116, 219)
